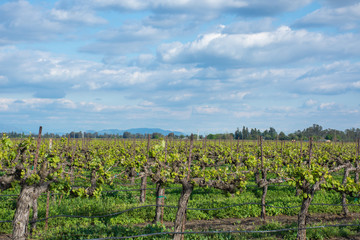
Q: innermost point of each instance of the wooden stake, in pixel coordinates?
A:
(37, 149)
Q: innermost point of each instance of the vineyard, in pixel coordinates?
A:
(176, 189)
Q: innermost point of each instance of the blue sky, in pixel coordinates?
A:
(207, 65)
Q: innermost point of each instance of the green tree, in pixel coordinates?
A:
(126, 135)
(282, 136)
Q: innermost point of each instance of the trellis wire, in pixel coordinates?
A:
(121, 190)
(171, 206)
(129, 190)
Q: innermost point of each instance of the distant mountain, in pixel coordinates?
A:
(135, 131)
(152, 130)
(111, 131)
(7, 128)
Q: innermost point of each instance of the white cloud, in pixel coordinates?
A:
(282, 46)
(37, 68)
(251, 7)
(54, 105)
(334, 78)
(146, 104)
(161, 62)
(232, 96)
(248, 26)
(344, 17)
(20, 21)
(210, 4)
(280, 109)
(4, 104)
(67, 103)
(19, 105)
(337, 3)
(181, 97)
(356, 84)
(129, 38)
(84, 16)
(327, 106)
(207, 109)
(248, 114)
(310, 103)
(129, 5)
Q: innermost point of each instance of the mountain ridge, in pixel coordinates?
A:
(135, 131)
(5, 128)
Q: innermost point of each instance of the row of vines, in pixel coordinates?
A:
(37, 166)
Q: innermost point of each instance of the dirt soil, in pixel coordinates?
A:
(253, 222)
(5, 237)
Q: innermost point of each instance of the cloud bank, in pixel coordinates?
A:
(181, 65)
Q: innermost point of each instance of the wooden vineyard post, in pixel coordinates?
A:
(190, 153)
(238, 145)
(37, 149)
(310, 150)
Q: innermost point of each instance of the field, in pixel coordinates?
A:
(95, 189)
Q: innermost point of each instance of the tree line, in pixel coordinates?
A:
(316, 131)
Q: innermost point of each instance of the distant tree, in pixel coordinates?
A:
(254, 133)
(352, 134)
(126, 135)
(329, 137)
(245, 133)
(273, 133)
(138, 135)
(282, 136)
(156, 135)
(292, 136)
(314, 131)
(238, 134)
(210, 136)
(230, 136)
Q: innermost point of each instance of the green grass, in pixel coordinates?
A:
(123, 225)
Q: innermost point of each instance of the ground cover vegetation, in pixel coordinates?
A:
(87, 187)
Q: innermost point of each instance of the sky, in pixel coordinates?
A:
(202, 65)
